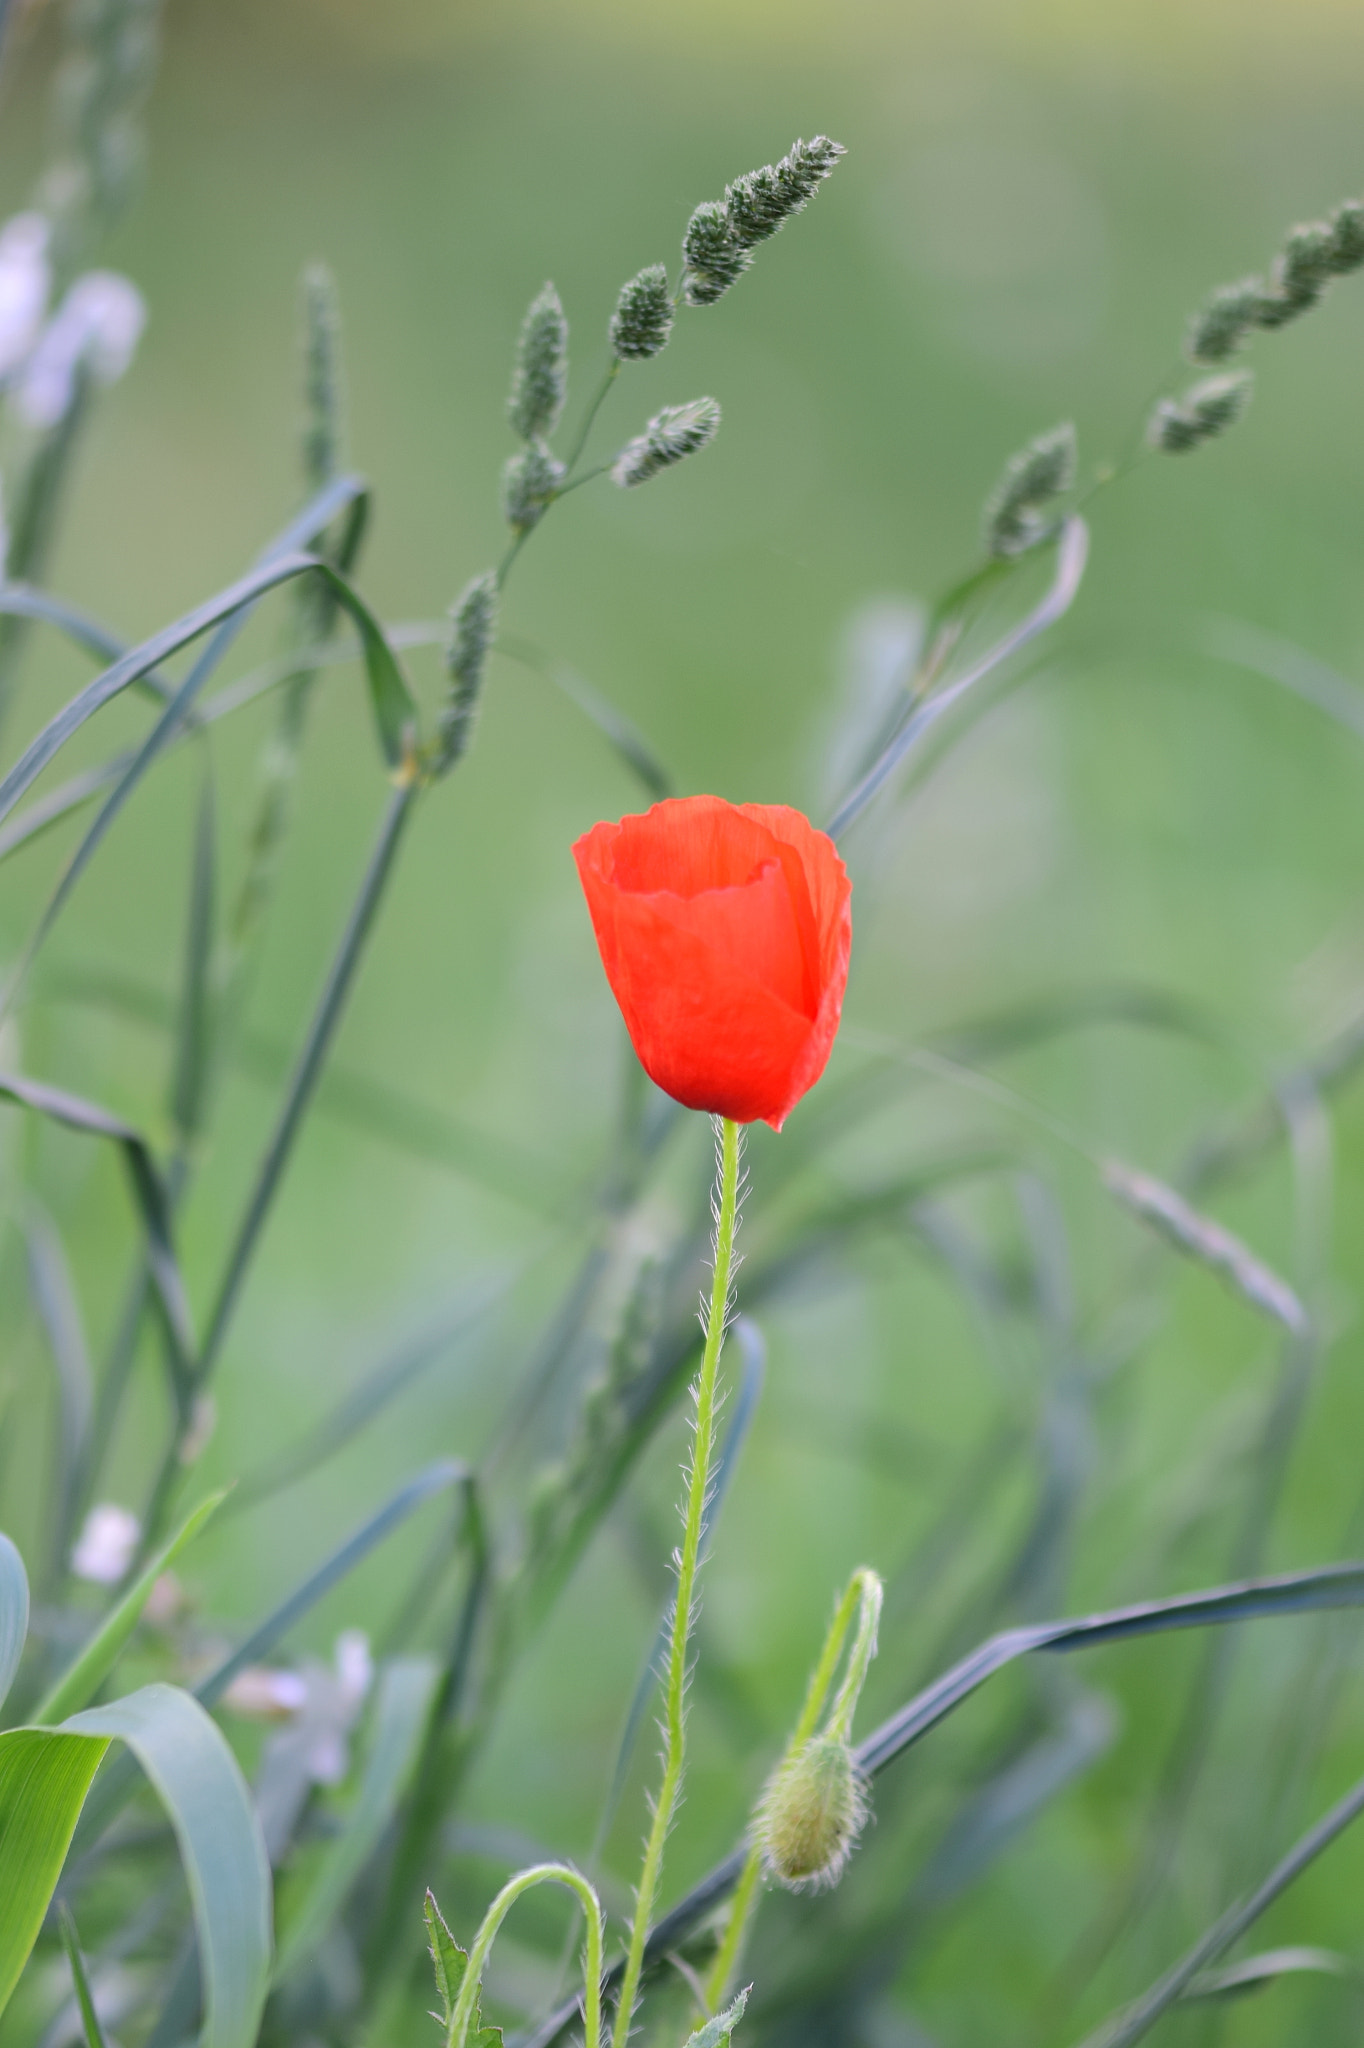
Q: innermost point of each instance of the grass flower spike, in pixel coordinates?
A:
(725, 931)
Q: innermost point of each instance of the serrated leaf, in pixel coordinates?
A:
(448, 1959)
(716, 2032)
(485, 2037)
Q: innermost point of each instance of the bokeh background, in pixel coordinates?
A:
(1034, 198)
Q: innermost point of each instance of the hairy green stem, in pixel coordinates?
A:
(540, 1873)
(703, 1451)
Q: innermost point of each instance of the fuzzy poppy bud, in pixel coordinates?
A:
(643, 318)
(714, 259)
(677, 431)
(810, 1815)
(473, 623)
(1016, 517)
(1205, 411)
(725, 931)
(1223, 324)
(529, 483)
(540, 380)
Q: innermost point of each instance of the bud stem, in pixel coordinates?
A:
(595, 406)
(698, 1494)
(862, 1595)
(540, 1873)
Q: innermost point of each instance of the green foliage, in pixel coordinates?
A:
(716, 2032)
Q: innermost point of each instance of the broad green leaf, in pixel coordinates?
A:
(402, 1708)
(448, 1959)
(13, 1613)
(94, 2032)
(716, 2032)
(44, 1777)
(198, 1781)
(81, 1680)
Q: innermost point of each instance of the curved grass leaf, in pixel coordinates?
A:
(1256, 1971)
(619, 731)
(117, 1783)
(198, 1780)
(44, 1777)
(23, 601)
(402, 1710)
(1071, 555)
(84, 1677)
(13, 1613)
(1138, 2019)
(1166, 1212)
(53, 1293)
(61, 803)
(148, 1192)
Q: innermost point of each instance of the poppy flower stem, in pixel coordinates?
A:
(684, 1606)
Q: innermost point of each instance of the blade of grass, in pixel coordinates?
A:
(94, 2032)
(82, 1679)
(148, 1192)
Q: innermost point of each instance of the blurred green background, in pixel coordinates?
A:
(1034, 198)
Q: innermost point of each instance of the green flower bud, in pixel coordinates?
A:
(540, 379)
(322, 406)
(677, 431)
(1015, 517)
(1347, 237)
(810, 1815)
(473, 623)
(643, 318)
(1225, 321)
(1300, 274)
(1205, 411)
(762, 201)
(529, 483)
(714, 259)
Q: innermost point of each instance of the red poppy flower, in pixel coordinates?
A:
(724, 930)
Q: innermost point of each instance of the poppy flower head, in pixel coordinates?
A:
(725, 932)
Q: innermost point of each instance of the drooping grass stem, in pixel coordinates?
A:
(698, 1491)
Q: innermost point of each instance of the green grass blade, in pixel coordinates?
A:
(1256, 1971)
(61, 803)
(1137, 2020)
(1071, 555)
(44, 1778)
(53, 1294)
(307, 1069)
(148, 1193)
(198, 1781)
(22, 600)
(619, 731)
(402, 1709)
(13, 1613)
(94, 2032)
(80, 1682)
(194, 1023)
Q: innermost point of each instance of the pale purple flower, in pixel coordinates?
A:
(104, 1549)
(25, 280)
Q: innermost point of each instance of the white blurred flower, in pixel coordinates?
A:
(314, 1749)
(25, 279)
(260, 1694)
(104, 1549)
(354, 1666)
(97, 326)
